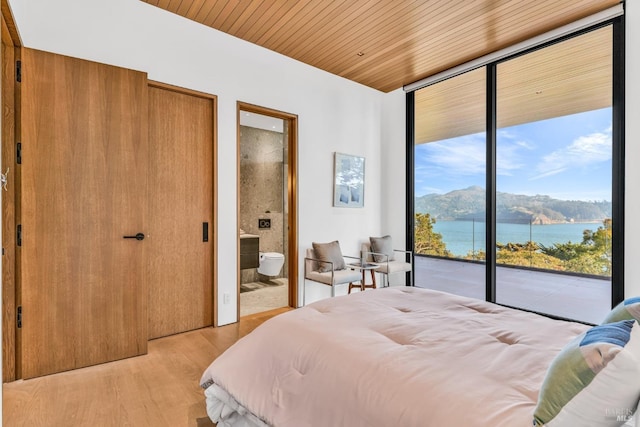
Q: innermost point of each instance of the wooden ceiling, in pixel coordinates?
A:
(384, 44)
(569, 77)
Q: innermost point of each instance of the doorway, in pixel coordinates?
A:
(267, 221)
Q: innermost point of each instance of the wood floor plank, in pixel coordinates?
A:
(157, 389)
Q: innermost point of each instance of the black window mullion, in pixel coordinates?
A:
(410, 190)
(490, 231)
(618, 143)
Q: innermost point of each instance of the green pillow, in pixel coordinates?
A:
(594, 381)
(628, 309)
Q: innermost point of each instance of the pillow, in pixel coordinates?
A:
(382, 245)
(329, 252)
(594, 381)
(628, 309)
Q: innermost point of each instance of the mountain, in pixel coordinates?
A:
(469, 203)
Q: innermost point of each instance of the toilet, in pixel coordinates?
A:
(270, 263)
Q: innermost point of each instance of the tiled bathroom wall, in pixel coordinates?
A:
(263, 191)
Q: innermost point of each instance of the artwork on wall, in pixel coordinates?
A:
(348, 182)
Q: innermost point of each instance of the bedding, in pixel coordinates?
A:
(595, 380)
(399, 356)
(627, 309)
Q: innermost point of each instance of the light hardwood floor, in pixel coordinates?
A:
(157, 389)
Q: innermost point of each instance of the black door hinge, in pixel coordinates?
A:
(19, 317)
(19, 71)
(19, 153)
(19, 235)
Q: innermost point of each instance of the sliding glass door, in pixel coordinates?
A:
(450, 175)
(533, 144)
(553, 178)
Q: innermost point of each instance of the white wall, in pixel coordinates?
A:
(632, 140)
(393, 173)
(334, 114)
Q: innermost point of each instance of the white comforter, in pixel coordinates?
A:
(389, 357)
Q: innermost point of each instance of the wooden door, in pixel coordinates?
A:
(8, 169)
(180, 209)
(84, 176)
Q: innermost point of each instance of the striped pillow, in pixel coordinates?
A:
(594, 381)
(627, 310)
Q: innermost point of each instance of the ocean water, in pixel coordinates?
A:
(464, 236)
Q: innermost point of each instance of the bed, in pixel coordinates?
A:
(399, 356)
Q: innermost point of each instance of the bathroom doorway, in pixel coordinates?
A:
(267, 218)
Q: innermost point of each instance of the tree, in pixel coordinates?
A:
(477, 255)
(526, 255)
(428, 242)
(592, 256)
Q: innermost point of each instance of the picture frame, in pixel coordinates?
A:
(348, 181)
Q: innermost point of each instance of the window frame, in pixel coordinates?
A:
(618, 161)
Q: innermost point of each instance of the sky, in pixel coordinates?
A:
(566, 158)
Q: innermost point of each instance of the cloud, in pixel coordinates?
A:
(504, 133)
(583, 152)
(466, 156)
(526, 145)
(458, 156)
(508, 159)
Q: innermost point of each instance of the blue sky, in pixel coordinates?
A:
(567, 158)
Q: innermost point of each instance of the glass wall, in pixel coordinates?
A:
(554, 172)
(450, 176)
(554, 164)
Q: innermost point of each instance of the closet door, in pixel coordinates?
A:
(181, 136)
(84, 184)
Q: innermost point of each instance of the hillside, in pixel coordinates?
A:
(469, 204)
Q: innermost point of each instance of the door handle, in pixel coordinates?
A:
(138, 236)
(205, 231)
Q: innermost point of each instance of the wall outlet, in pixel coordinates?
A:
(226, 298)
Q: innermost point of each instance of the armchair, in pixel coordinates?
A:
(325, 264)
(379, 250)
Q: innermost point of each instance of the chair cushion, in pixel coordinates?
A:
(339, 277)
(329, 252)
(626, 310)
(394, 267)
(382, 245)
(365, 248)
(594, 381)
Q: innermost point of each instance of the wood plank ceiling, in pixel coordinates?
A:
(384, 44)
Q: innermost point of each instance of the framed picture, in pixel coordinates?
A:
(348, 181)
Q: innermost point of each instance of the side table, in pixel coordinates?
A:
(364, 267)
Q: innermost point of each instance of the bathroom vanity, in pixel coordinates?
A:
(249, 251)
